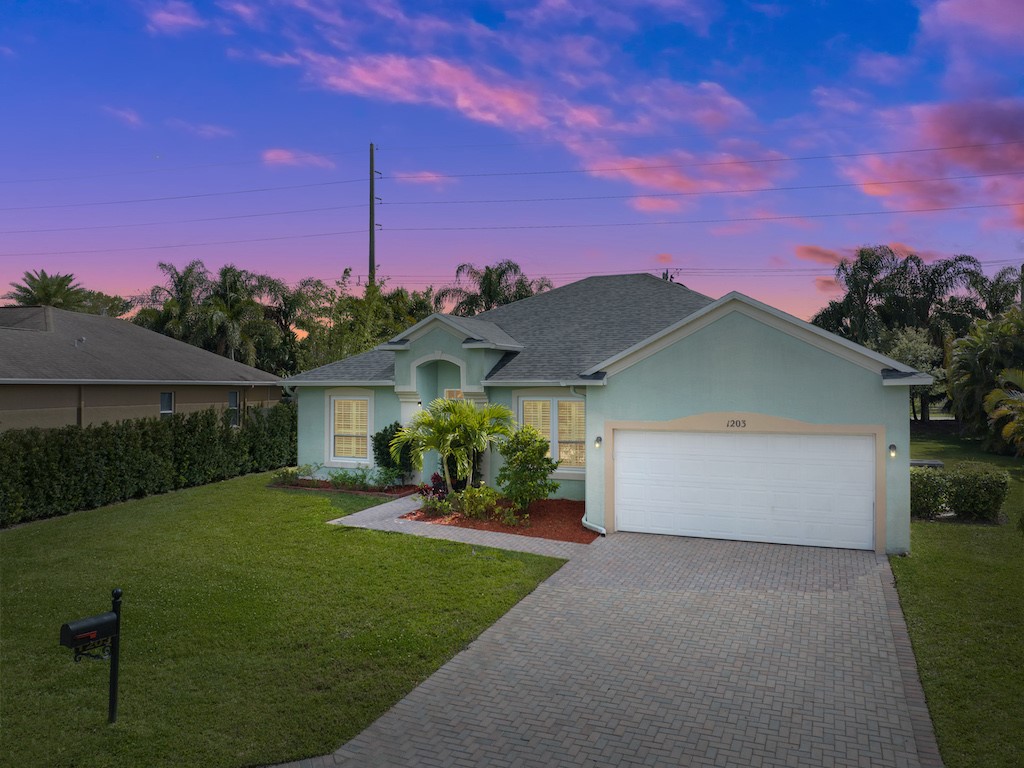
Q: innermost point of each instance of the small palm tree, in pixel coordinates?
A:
(1005, 407)
(41, 289)
(458, 430)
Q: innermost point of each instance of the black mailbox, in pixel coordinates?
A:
(89, 631)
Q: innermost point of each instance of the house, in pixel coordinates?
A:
(59, 368)
(670, 412)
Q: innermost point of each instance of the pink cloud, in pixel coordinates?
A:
(978, 138)
(827, 285)
(883, 68)
(663, 258)
(7, 52)
(997, 22)
(654, 204)
(296, 158)
(706, 104)
(202, 130)
(430, 80)
(821, 255)
(126, 115)
(422, 177)
(695, 14)
(846, 101)
(172, 18)
(247, 12)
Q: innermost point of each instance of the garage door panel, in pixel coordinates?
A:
(801, 489)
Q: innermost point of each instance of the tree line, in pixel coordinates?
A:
(264, 322)
(945, 318)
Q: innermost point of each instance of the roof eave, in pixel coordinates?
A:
(151, 382)
(338, 383)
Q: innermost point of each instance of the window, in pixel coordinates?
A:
(453, 394)
(351, 427)
(566, 431)
(166, 404)
(233, 408)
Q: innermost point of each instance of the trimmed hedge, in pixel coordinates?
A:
(51, 472)
(977, 491)
(928, 489)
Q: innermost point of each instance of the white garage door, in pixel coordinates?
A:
(817, 490)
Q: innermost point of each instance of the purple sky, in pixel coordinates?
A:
(747, 145)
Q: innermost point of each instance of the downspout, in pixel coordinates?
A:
(588, 525)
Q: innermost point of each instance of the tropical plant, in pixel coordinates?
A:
(913, 347)
(975, 364)
(382, 451)
(991, 296)
(525, 475)
(41, 289)
(1005, 408)
(478, 290)
(458, 431)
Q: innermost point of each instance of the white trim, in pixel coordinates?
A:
(433, 357)
(920, 379)
(774, 318)
(553, 398)
(330, 397)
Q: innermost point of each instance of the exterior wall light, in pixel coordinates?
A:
(892, 450)
(419, 403)
(597, 441)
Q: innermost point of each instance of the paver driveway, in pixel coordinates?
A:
(664, 651)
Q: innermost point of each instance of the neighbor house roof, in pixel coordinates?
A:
(551, 337)
(45, 345)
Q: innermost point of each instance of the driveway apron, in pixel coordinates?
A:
(651, 650)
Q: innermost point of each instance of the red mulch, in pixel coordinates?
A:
(557, 519)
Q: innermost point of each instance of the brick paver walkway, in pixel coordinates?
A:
(663, 651)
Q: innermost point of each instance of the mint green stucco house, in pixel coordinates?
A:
(671, 412)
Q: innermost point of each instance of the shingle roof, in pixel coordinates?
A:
(375, 365)
(561, 332)
(570, 329)
(44, 344)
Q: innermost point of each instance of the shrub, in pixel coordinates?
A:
(382, 452)
(385, 477)
(977, 491)
(928, 489)
(433, 505)
(55, 471)
(525, 474)
(479, 502)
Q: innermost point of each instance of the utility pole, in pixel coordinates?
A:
(373, 223)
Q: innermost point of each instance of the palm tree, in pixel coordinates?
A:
(1006, 404)
(42, 289)
(488, 288)
(236, 323)
(994, 295)
(866, 280)
(457, 430)
(175, 308)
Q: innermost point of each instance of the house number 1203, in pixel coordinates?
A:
(736, 424)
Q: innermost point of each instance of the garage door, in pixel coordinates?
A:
(817, 490)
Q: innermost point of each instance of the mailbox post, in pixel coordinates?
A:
(98, 633)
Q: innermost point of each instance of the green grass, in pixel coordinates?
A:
(962, 591)
(253, 633)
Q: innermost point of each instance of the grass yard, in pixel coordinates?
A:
(962, 591)
(252, 632)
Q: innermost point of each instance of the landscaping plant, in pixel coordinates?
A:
(927, 492)
(458, 431)
(977, 491)
(479, 502)
(382, 452)
(525, 476)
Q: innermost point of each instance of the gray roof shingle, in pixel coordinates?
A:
(561, 332)
(45, 344)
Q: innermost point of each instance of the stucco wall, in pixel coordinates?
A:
(315, 421)
(742, 365)
(58, 405)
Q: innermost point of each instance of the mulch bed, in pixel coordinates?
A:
(557, 519)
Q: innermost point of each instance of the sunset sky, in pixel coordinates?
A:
(745, 145)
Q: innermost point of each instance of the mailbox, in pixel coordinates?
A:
(90, 631)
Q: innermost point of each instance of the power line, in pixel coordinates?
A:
(183, 245)
(706, 192)
(703, 221)
(178, 197)
(707, 164)
(184, 221)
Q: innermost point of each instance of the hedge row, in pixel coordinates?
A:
(970, 490)
(50, 472)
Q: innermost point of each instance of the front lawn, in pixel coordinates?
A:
(962, 591)
(253, 633)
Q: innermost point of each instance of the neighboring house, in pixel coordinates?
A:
(671, 413)
(59, 368)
